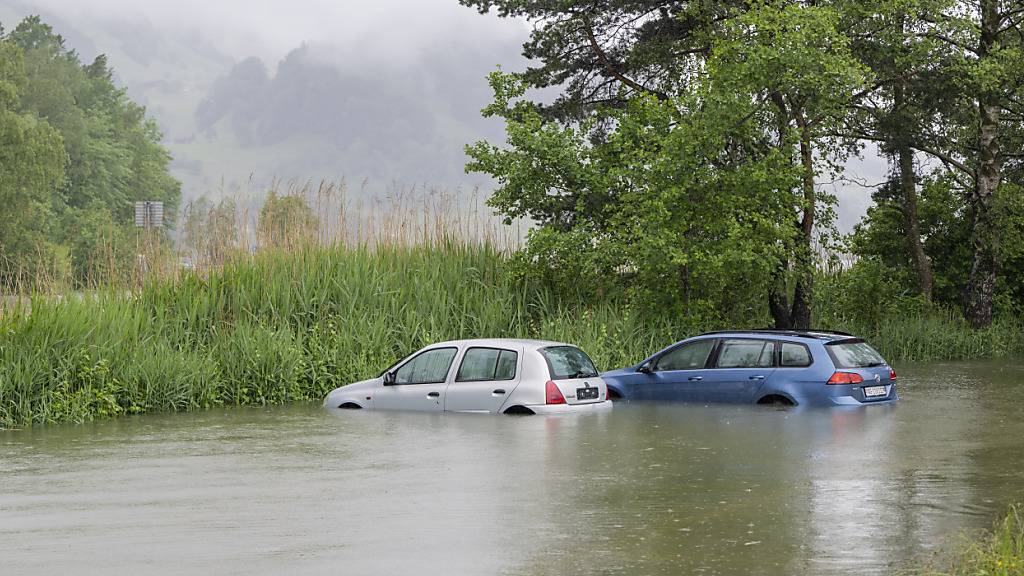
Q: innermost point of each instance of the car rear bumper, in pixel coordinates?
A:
(571, 408)
(859, 400)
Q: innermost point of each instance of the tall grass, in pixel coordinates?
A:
(282, 326)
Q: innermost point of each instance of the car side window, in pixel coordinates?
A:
(506, 368)
(686, 357)
(746, 353)
(795, 355)
(485, 364)
(430, 367)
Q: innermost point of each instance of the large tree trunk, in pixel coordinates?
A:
(908, 184)
(778, 295)
(778, 300)
(908, 187)
(984, 237)
(908, 191)
(803, 295)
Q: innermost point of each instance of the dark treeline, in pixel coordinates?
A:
(685, 153)
(75, 154)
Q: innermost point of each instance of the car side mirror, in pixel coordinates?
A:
(389, 378)
(644, 368)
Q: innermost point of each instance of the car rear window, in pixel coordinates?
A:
(854, 354)
(568, 362)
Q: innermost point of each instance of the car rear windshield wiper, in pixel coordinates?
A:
(581, 374)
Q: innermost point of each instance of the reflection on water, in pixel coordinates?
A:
(645, 489)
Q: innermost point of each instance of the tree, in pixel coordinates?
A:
(676, 207)
(971, 102)
(794, 58)
(111, 153)
(600, 55)
(32, 158)
(910, 69)
(115, 152)
(784, 59)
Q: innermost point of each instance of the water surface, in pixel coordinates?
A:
(645, 489)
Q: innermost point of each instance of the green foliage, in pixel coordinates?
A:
(101, 250)
(881, 304)
(259, 365)
(668, 205)
(76, 151)
(32, 157)
(945, 224)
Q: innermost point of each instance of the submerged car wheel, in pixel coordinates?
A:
(350, 406)
(775, 400)
(520, 410)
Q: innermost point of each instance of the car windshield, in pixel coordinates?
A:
(568, 362)
(854, 354)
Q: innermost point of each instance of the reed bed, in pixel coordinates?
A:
(281, 326)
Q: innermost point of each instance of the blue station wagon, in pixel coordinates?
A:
(791, 367)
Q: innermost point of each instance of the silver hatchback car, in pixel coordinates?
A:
(496, 376)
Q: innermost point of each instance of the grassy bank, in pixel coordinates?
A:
(276, 328)
(283, 326)
(996, 552)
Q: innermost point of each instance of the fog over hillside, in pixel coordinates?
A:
(378, 92)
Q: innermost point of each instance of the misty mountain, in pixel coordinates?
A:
(408, 125)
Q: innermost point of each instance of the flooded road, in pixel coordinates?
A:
(643, 489)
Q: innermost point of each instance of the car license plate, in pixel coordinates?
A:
(874, 391)
(586, 393)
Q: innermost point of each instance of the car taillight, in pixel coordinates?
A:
(845, 378)
(554, 395)
(892, 374)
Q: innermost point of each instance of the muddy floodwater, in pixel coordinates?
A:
(644, 489)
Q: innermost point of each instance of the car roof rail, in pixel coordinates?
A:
(804, 332)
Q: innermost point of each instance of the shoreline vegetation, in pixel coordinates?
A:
(995, 552)
(300, 312)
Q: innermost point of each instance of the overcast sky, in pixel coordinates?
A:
(387, 30)
(429, 57)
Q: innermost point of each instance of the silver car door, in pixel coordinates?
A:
(419, 383)
(484, 379)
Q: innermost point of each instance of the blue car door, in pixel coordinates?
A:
(741, 367)
(679, 374)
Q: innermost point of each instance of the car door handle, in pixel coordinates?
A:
(498, 391)
(434, 394)
(696, 378)
(758, 377)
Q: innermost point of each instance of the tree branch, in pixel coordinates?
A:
(612, 68)
(945, 158)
